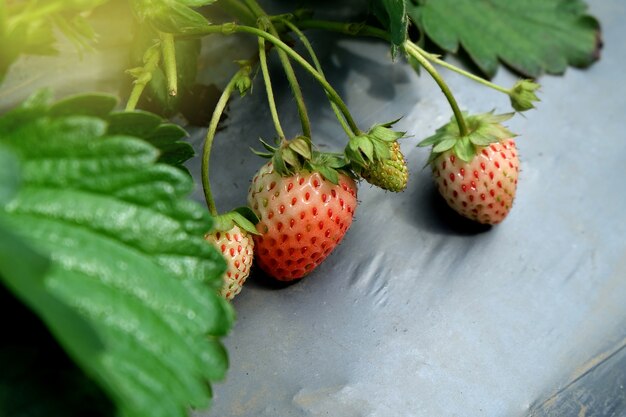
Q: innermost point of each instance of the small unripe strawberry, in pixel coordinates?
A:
(377, 158)
(476, 173)
(237, 247)
(390, 174)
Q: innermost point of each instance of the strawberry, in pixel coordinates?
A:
(390, 174)
(304, 212)
(377, 158)
(232, 236)
(476, 174)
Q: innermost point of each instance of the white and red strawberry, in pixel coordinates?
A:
(237, 247)
(476, 174)
(302, 218)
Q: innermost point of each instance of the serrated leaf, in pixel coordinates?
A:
(171, 16)
(127, 258)
(97, 105)
(531, 36)
(133, 123)
(150, 127)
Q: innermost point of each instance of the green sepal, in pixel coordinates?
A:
(372, 146)
(267, 146)
(484, 129)
(243, 217)
(302, 146)
(330, 165)
(523, 95)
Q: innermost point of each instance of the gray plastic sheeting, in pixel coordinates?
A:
(419, 313)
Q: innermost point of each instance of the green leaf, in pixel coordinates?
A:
(130, 287)
(10, 176)
(150, 127)
(97, 105)
(531, 36)
(171, 16)
(392, 14)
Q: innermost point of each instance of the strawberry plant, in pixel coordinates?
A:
(128, 279)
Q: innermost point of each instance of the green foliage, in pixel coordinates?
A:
(531, 36)
(393, 16)
(101, 243)
(172, 16)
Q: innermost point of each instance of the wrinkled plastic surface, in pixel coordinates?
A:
(419, 313)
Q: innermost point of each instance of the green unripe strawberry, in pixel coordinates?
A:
(390, 174)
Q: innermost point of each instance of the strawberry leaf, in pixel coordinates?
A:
(172, 16)
(119, 272)
(164, 136)
(392, 15)
(531, 36)
(9, 175)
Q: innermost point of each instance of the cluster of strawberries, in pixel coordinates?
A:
(304, 202)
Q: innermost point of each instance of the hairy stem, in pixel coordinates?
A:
(268, 88)
(208, 141)
(458, 115)
(318, 66)
(169, 62)
(441, 62)
(353, 29)
(266, 23)
(365, 30)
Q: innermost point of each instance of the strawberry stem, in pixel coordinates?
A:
(230, 28)
(318, 66)
(208, 141)
(151, 61)
(458, 115)
(266, 24)
(268, 88)
(441, 62)
(358, 29)
(169, 62)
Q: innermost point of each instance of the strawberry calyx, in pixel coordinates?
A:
(376, 157)
(297, 155)
(243, 217)
(375, 145)
(484, 129)
(523, 95)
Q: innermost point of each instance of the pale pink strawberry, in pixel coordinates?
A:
(476, 171)
(237, 248)
(303, 217)
(484, 188)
